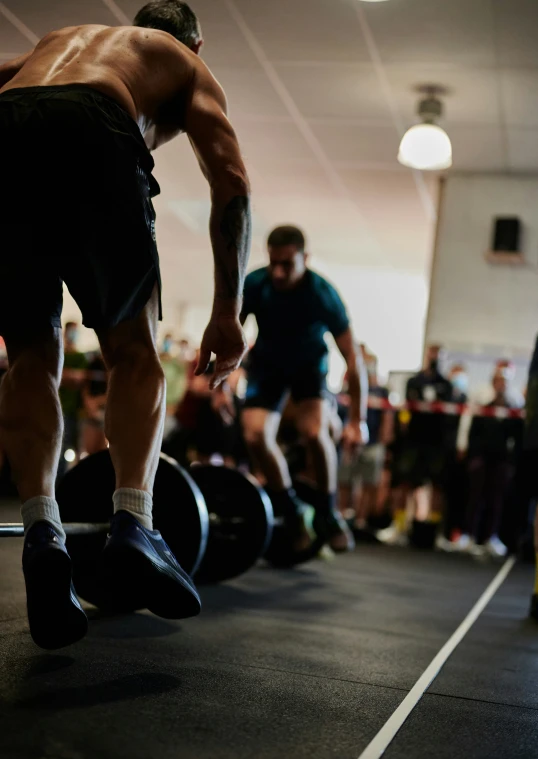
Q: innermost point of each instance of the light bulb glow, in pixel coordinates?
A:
(426, 147)
(70, 455)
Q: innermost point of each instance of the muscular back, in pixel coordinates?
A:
(148, 72)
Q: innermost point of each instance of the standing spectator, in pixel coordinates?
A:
(94, 393)
(423, 460)
(491, 468)
(361, 471)
(73, 380)
(456, 467)
(484, 395)
(175, 373)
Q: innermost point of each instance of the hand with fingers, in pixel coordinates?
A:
(225, 338)
(355, 435)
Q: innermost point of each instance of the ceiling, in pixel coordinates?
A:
(320, 92)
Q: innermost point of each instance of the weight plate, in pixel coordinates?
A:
(241, 522)
(85, 495)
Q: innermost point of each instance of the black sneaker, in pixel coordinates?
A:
(139, 570)
(533, 612)
(55, 615)
(334, 530)
(294, 541)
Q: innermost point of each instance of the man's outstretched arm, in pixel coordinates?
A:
(10, 68)
(218, 153)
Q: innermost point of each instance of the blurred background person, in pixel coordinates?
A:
(175, 368)
(73, 379)
(361, 470)
(491, 463)
(456, 466)
(422, 459)
(94, 391)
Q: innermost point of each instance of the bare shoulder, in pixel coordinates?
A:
(205, 82)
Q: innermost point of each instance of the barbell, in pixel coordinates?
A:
(216, 520)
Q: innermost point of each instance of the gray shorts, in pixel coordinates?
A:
(365, 467)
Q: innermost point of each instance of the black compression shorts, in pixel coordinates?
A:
(269, 388)
(75, 205)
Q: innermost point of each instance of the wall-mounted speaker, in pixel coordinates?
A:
(507, 235)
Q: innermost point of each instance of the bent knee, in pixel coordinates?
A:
(314, 432)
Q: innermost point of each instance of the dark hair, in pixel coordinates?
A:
(287, 236)
(172, 16)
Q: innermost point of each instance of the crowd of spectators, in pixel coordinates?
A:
(447, 480)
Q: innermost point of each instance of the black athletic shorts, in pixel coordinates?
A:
(75, 205)
(421, 463)
(269, 388)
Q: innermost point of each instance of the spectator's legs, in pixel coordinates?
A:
(497, 478)
(477, 476)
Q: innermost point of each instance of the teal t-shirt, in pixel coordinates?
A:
(292, 324)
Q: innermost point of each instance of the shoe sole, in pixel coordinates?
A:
(55, 620)
(132, 579)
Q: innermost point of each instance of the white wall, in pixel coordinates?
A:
(387, 310)
(477, 307)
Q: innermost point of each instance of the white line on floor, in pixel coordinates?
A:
(386, 735)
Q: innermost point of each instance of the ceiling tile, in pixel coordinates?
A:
(433, 31)
(305, 30)
(520, 96)
(274, 143)
(346, 91)
(523, 149)
(478, 148)
(43, 18)
(250, 93)
(12, 42)
(343, 143)
(517, 29)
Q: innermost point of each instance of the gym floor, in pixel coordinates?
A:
(309, 663)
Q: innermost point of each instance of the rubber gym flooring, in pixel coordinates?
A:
(309, 663)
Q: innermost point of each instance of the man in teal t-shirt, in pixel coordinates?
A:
(295, 308)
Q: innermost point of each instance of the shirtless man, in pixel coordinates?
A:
(79, 116)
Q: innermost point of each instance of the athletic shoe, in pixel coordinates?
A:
(533, 612)
(55, 615)
(464, 544)
(138, 570)
(443, 544)
(391, 536)
(496, 547)
(477, 551)
(333, 528)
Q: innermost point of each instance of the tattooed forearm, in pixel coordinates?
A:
(231, 235)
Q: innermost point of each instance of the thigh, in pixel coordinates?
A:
(260, 422)
(112, 265)
(312, 416)
(139, 333)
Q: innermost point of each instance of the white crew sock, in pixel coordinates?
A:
(136, 502)
(42, 509)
